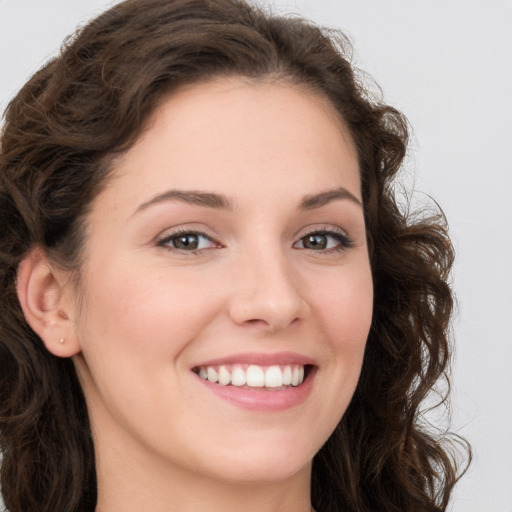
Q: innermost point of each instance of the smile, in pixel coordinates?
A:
(258, 382)
(275, 377)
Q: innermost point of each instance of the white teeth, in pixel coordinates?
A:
(238, 377)
(295, 376)
(255, 376)
(273, 377)
(224, 376)
(213, 376)
(287, 376)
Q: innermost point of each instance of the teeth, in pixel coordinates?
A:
(238, 377)
(287, 376)
(224, 376)
(254, 376)
(273, 377)
(212, 374)
(295, 376)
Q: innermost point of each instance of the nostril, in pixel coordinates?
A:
(255, 321)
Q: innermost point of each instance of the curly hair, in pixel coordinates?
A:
(90, 104)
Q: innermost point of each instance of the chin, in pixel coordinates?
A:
(270, 459)
(265, 470)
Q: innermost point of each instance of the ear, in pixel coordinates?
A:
(47, 307)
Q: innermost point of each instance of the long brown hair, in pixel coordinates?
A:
(90, 104)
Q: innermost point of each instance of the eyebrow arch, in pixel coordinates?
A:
(311, 202)
(220, 201)
(207, 199)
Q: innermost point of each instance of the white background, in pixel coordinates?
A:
(447, 65)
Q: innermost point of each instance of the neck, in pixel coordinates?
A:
(191, 494)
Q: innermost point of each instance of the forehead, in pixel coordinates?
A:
(237, 135)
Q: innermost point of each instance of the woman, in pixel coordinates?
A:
(210, 298)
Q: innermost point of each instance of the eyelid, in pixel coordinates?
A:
(346, 242)
(322, 228)
(197, 228)
(163, 240)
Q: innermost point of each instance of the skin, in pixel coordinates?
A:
(150, 311)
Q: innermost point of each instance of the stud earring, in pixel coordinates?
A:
(61, 341)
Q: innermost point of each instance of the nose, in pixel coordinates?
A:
(267, 293)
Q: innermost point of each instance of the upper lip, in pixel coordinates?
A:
(258, 358)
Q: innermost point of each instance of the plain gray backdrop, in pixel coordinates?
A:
(447, 65)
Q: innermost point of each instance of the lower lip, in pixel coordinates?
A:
(263, 399)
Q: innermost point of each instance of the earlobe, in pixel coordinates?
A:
(40, 289)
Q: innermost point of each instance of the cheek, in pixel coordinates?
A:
(344, 306)
(147, 310)
(343, 310)
(133, 330)
(136, 301)
(342, 314)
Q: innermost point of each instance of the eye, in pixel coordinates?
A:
(324, 240)
(187, 241)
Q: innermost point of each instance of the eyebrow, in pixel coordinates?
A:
(220, 201)
(311, 202)
(207, 199)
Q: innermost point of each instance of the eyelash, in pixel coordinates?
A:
(180, 233)
(343, 241)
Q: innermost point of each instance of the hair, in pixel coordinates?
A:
(91, 103)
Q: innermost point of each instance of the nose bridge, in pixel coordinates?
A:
(265, 289)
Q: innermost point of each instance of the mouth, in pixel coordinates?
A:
(255, 377)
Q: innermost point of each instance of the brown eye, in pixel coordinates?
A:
(187, 241)
(324, 241)
(315, 242)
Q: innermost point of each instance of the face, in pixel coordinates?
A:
(226, 291)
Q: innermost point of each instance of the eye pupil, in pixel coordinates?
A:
(318, 242)
(189, 241)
